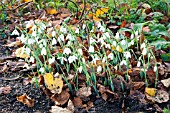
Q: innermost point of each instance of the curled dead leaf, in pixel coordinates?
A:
(70, 105)
(138, 85)
(166, 82)
(56, 109)
(26, 100)
(84, 92)
(61, 99)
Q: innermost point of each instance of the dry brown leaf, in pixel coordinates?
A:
(14, 44)
(166, 82)
(105, 96)
(161, 96)
(70, 105)
(77, 102)
(26, 100)
(150, 91)
(53, 84)
(5, 90)
(4, 69)
(56, 109)
(61, 99)
(26, 80)
(138, 85)
(84, 92)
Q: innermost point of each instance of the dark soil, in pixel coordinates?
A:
(9, 103)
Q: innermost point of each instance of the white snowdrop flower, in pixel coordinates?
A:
(138, 64)
(110, 56)
(101, 40)
(99, 24)
(15, 32)
(26, 66)
(42, 70)
(70, 37)
(62, 59)
(22, 38)
(127, 54)
(91, 49)
(43, 26)
(80, 51)
(116, 67)
(51, 60)
(63, 30)
(54, 41)
(31, 41)
(92, 40)
(132, 42)
(144, 51)
(136, 33)
(102, 28)
(29, 24)
(155, 68)
(104, 60)
(84, 26)
(123, 62)
(99, 69)
(107, 46)
(118, 48)
(149, 55)
(77, 31)
(123, 42)
(67, 51)
(53, 33)
(107, 35)
(61, 38)
(43, 51)
(27, 50)
(117, 36)
(132, 36)
(34, 33)
(72, 59)
(143, 45)
(31, 59)
(69, 43)
(114, 43)
(41, 45)
(80, 69)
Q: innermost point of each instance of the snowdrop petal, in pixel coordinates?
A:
(15, 32)
(54, 41)
(99, 69)
(67, 51)
(91, 49)
(43, 51)
(72, 59)
(123, 62)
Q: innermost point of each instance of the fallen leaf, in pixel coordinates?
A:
(14, 44)
(138, 85)
(150, 91)
(56, 109)
(5, 90)
(21, 53)
(101, 11)
(161, 96)
(123, 24)
(51, 11)
(84, 92)
(27, 80)
(53, 84)
(26, 100)
(70, 106)
(61, 99)
(166, 82)
(77, 102)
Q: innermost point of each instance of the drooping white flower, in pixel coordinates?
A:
(54, 41)
(143, 45)
(42, 70)
(106, 35)
(61, 38)
(22, 38)
(27, 50)
(26, 65)
(127, 54)
(144, 51)
(15, 32)
(110, 56)
(123, 62)
(117, 36)
(118, 48)
(51, 60)
(40, 45)
(155, 68)
(80, 51)
(62, 59)
(132, 36)
(72, 59)
(67, 51)
(136, 33)
(104, 60)
(77, 31)
(91, 49)
(132, 42)
(107, 46)
(99, 24)
(102, 28)
(31, 40)
(123, 42)
(99, 69)
(114, 43)
(29, 24)
(53, 33)
(84, 26)
(83, 60)
(138, 64)
(80, 69)
(70, 37)
(43, 51)
(31, 59)
(63, 29)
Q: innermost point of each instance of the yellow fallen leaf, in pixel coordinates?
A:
(150, 91)
(101, 11)
(51, 11)
(20, 52)
(53, 84)
(25, 1)
(96, 19)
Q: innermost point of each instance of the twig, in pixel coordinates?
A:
(84, 8)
